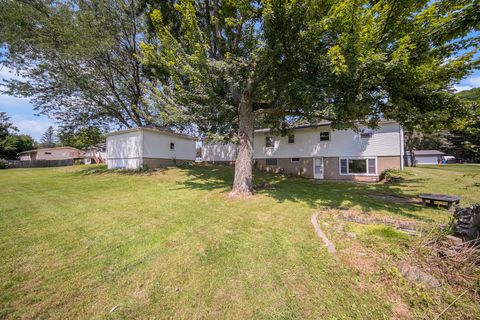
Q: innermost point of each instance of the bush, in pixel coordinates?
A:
(391, 176)
(4, 164)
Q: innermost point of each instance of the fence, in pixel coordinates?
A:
(39, 163)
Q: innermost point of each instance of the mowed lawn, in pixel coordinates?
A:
(171, 244)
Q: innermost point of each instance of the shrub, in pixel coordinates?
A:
(4, 164)
(391, 176)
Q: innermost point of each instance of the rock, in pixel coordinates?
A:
(455, 241)
(415, 275)
(114, 308)
(467, 222)
(351, 235)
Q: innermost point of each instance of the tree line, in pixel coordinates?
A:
(221, 68)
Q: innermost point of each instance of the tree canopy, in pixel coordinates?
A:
(233, 64)
(82, 138)
(77, 60)
(12, 143)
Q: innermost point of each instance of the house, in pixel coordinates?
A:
(425, 157)
(148, 147)
(57, 153)
(319, 152)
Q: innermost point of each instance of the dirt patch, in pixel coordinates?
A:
(393, 198)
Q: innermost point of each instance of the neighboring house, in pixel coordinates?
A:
(96, 154)
(147, 147)
(425, 157)
(319, 152)
(58, 153)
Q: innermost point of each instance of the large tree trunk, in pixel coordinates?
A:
(242, 184)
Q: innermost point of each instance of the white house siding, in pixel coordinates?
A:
(427, 159)
(157, 146)
(219, 152)
(125, 150)
(386, 141)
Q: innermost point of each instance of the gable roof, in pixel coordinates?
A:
(49, 149)
(154, 130)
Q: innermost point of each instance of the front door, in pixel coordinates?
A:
(318, 168)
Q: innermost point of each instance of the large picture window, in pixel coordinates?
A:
(358, 166)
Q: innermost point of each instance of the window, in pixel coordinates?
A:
(372, 168)
(271, 161)
(325, 136)
(358, 166)
(343, 166)
(291, 138)
(172, 145)
(366, 133)
(48, 153)
(295, 160)
(269, 142)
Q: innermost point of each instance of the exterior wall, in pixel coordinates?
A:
(386, 141)
(125, 150)
(219, 152)
(427, 159)
(159, 163)
(25, 157)
(157, 145)
(57, 154)
(303, 168)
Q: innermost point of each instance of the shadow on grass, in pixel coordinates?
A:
(313, 194)
(102, 169)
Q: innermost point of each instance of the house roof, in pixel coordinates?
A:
(427, 153)
(47, 149)
(314, 125)
(154, 130)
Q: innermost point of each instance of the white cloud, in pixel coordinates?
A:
(32, 127)
(14, 102)
(467, 84)
(7, 74)
(461, 88)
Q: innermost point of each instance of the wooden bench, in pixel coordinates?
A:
(431, 198)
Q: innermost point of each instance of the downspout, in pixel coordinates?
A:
(402, 147)
(142, 147)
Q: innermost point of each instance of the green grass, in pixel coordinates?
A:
(171, 244)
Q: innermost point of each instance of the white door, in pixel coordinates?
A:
(318, 168)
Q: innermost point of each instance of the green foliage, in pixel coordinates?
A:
(10, 142)
(49, 138)
(78, 60)
(391, 175)
(341, 60)
(4, 164)
(82, 138)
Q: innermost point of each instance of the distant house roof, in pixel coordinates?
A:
(48, 149)
(427, 153)
(154, 130)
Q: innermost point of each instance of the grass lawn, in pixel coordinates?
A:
(171, 244)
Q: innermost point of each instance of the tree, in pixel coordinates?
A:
(82, 138)
(6, 126)
(466, 130)
(13, 144)
(49, 138)
(233, 64)
(78, 61)
(10, 142)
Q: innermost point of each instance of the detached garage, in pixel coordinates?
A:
(148, 147)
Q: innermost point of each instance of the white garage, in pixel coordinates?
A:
(426, 157)
(148, 148)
